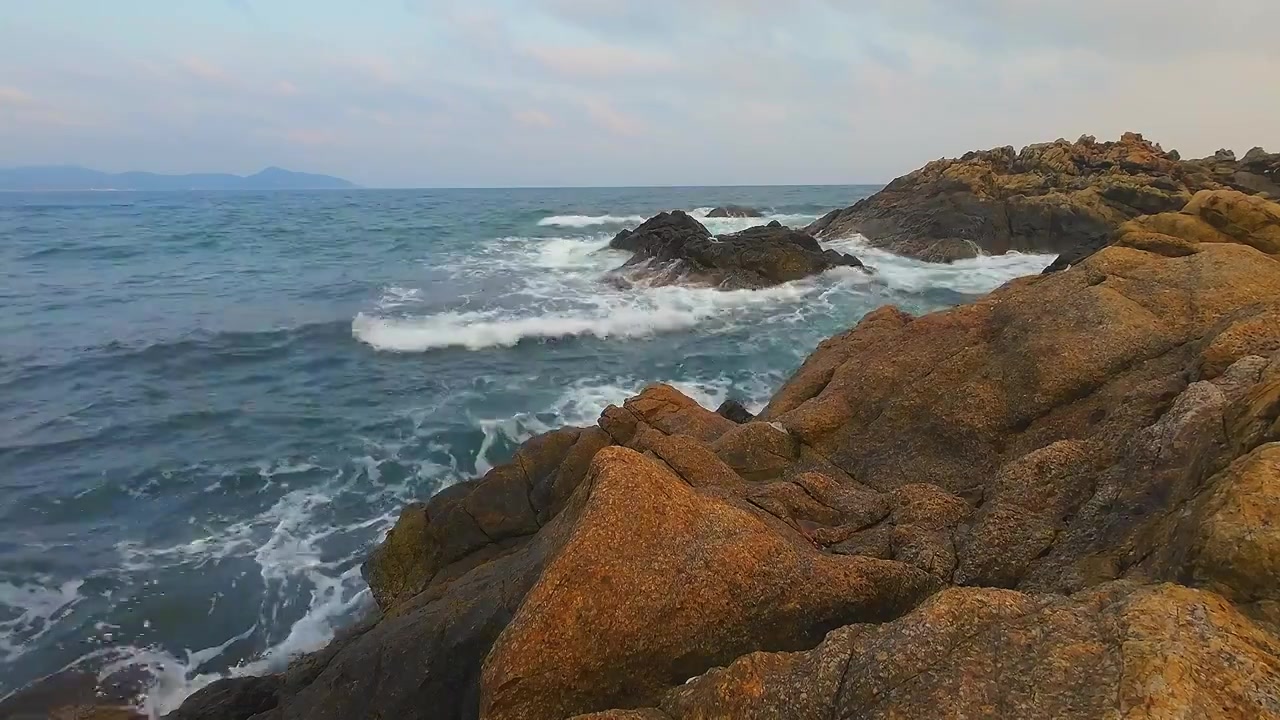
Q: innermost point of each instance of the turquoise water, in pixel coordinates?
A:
(213, 405)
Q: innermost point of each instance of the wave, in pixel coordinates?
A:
(198, 346)
(968, 277)
(32, 609)
(583, 221)
(612, 315)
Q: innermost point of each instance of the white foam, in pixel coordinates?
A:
(721, 226)
(285, 541)
(971, 276)
(611, 314)
(583, 221)
(37, 607)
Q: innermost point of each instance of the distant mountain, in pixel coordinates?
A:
(70, 177)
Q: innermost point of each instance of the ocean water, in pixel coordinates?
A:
(213, 405)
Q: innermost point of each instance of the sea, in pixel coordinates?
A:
(213, 405)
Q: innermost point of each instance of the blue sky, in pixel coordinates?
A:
(620, 92)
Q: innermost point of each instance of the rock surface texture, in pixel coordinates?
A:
(673, 247)
(1049, 198)
(1059, 501)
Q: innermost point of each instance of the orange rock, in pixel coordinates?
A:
(691, 581)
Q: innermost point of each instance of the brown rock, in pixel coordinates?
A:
(1219, 216)
(693, 582)
(1236, 548)
(1121, 651)
(1051, 197)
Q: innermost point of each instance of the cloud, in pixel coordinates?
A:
(532, 118)
(203, 69)
(607, 117)
(311, 137)
(12, 96)
(583, 92)
(600, 61)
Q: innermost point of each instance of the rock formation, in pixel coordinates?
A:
(1212, 216)
(1258, 172)
(1049, 198)
(1059, 501)
(734, 211)
(672, 248)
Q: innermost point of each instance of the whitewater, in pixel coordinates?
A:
(219, 404)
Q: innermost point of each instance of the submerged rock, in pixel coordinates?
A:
(1057, 501)
(734, 211)
(673, 248)
(1048, 198)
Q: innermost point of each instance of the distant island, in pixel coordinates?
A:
(71, 177)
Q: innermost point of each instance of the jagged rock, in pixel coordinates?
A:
(734, 211)
(687, 589)
(733, 410)
(73, 695)
(1054, 197)
(1257, 172)
(1050, 197)
(660, 235)
(674, 248)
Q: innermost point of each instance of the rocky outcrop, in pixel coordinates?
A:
(1048, 198)
(673, 248)
(1258, 172)
(1059, 501)
(734, 211)
(1215, 216)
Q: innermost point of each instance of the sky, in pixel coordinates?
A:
(479, 93)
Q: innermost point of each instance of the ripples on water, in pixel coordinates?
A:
(218, 403)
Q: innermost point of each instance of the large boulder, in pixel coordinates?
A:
(694, 582)
(1048, 198)
(1059, 500)
(674, 248)
(734, 211)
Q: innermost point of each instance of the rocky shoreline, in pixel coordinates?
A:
(1053, 197)
(1061, 500)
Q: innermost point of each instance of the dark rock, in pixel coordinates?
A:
(674, 248)
(1057, 197)
(734, 410)
(734, 211)
(231, 699)
(659, 233)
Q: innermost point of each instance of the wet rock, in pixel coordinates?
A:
(734, 211)
(231, 699)
(674, 248)
(733, 410)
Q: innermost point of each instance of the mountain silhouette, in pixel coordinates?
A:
(71, 177)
